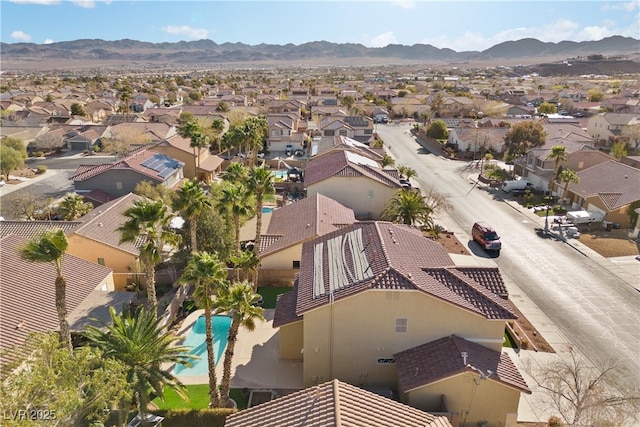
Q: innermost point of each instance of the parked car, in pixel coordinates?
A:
(484, 235)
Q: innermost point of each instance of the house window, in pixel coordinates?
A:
(343, 132)
(101, 261)
(296, 265)
(386, 361)
(370, 194)
(401, 326)
(119, 185)
(329, 132)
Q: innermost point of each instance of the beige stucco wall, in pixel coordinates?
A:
(346, 339)
(354, 192)
(472, 398)
(115, 259)
(291, 341)
(619, 216)
(282, 259)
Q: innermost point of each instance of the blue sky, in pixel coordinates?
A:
(459, 25)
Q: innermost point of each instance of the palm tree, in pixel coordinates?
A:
(191, 129)
(567, 176)
(235, 173)
(248, 262)
(50, 247)
(558, 155)
(208, 274)
(388, 161)
(410, 173)
(234, 203)
(141, 343)
(191, 201)
(217, 128)
(238, 301)
(260, 184)
(73, 207)
(255, 129)
(125, 95)
(408, 207)
(148, 220)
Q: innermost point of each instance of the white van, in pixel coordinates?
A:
(517, 184)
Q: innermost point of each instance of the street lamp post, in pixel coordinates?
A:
(546, 217)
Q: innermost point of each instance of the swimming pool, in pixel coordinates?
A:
(196, 340)
(267, 209)
(282, 174)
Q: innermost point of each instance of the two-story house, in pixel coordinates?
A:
(608, 128)
(371, 293)
(538, 167)
(359, 128)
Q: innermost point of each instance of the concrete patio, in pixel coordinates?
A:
(255, 363)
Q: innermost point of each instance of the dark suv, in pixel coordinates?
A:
(486, 237)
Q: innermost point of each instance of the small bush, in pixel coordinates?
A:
(554, 421)
(559, 210)
(41, 168)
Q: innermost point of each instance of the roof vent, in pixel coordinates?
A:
(20, 325)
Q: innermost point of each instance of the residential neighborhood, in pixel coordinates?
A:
(282, 234)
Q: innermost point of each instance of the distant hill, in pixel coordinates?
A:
(97, 53)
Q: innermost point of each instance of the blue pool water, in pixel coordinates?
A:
(197, 342)
(282, 174)
(267, 209)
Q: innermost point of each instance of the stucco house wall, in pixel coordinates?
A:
(365, 196)
(475, 399)
(291, 341)
(344, 340)
(117, 260)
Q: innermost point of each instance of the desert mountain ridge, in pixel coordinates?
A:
(97, 52)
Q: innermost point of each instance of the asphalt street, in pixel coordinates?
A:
(598, 310)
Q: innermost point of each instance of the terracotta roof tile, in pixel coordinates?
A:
(427, 363)
(28, 291)
(383, 255)
(133, 161)
(336, 404)
(102, 223)
(285, 312)
(30, 229)
(303, 220)
(346, 163)
(615, 183)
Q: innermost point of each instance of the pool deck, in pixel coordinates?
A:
(256, 364)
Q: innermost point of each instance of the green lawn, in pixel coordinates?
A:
(508, 342)
(198, 398)
(269, 295)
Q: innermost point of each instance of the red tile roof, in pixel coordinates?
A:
(132, 161)
(383, 255)
(343, 163)
(615, 183)
(307, 218)
(443, 358)
(102, 223)
(334, 404)
(28, 291)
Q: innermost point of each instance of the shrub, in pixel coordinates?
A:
(195, 417)
(38, 154)
(559, 210)
(554, 421)
(41, 168)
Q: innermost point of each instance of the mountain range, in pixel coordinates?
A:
(96, 52)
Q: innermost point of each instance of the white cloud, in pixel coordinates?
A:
(623, 6)
(22, 36)
(382, 40)
(405, 4)
(41, 2)
(186, 30)
(48, 41)
(89, 4)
